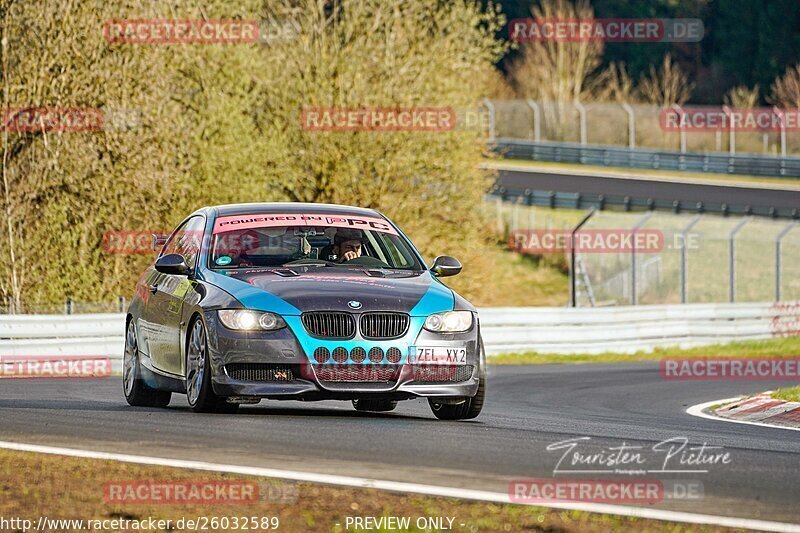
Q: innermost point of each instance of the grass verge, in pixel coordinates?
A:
(788, 394)
(34, 485)
(781, 347)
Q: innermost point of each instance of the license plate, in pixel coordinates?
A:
(438, 355)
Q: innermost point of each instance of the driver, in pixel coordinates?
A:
(347, 244)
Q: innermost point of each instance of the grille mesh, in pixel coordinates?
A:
(260, 372)
(394, 355)
(376, 354)
(358, 373)
(330, 325)
(442, 373)
(383, 325)
(358, 354)
(340, 354)
(322, 354)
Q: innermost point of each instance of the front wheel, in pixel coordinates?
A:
(136, 392)
(198, 375)
(470, 407)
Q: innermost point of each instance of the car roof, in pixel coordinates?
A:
(292, 207)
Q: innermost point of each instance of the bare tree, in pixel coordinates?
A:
(785, 90)
(613, 84)
(742, 97)
(556, 70)
(666, 85)
(11, 282)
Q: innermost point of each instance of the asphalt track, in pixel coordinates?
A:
(528, 408)
(685, 191)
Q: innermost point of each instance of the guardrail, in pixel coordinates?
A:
(64, 336)
(632, 328)
(594, 154)
(513, 329)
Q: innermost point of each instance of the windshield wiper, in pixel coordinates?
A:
(302, 263)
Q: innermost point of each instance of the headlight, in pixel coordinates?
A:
(449, 322)
(244, 319)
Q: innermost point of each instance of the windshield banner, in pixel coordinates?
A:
(273, 220)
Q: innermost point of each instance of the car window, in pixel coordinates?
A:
(186, 240)
(399, 256)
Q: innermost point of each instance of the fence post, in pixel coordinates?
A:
(680, 112)
(531, 209)
(490, 107)
(685, 258)
(631, 125)
(573, 293)
(642, 221)
(121, 300)
(789, 227)
(515, 214)
(732, 258)
(68, 305)
(582, 113)
(731, 131)
(780, 114)
(501, 226)
(537, 117)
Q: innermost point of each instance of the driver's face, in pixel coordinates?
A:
(350, 246)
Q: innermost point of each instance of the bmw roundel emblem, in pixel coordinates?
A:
(354, 304)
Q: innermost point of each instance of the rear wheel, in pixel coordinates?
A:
(199, 392)
(374, 405)
(136, 392)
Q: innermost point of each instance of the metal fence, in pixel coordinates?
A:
(631, 135)
(68, 307)
(651, 159)
(630, 125)
(704, 257)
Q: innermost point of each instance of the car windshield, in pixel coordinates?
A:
(278, 240)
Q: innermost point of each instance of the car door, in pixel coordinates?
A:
(165, 307)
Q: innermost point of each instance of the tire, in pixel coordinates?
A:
(470, 407)
(136, 392)
(199, 391)
(379, 406)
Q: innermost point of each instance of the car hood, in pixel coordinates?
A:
(296, 291)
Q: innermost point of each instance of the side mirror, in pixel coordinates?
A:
(444, 266)
(172, 264)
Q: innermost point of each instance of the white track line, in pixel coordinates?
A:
(416, 488)
(698, 410)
